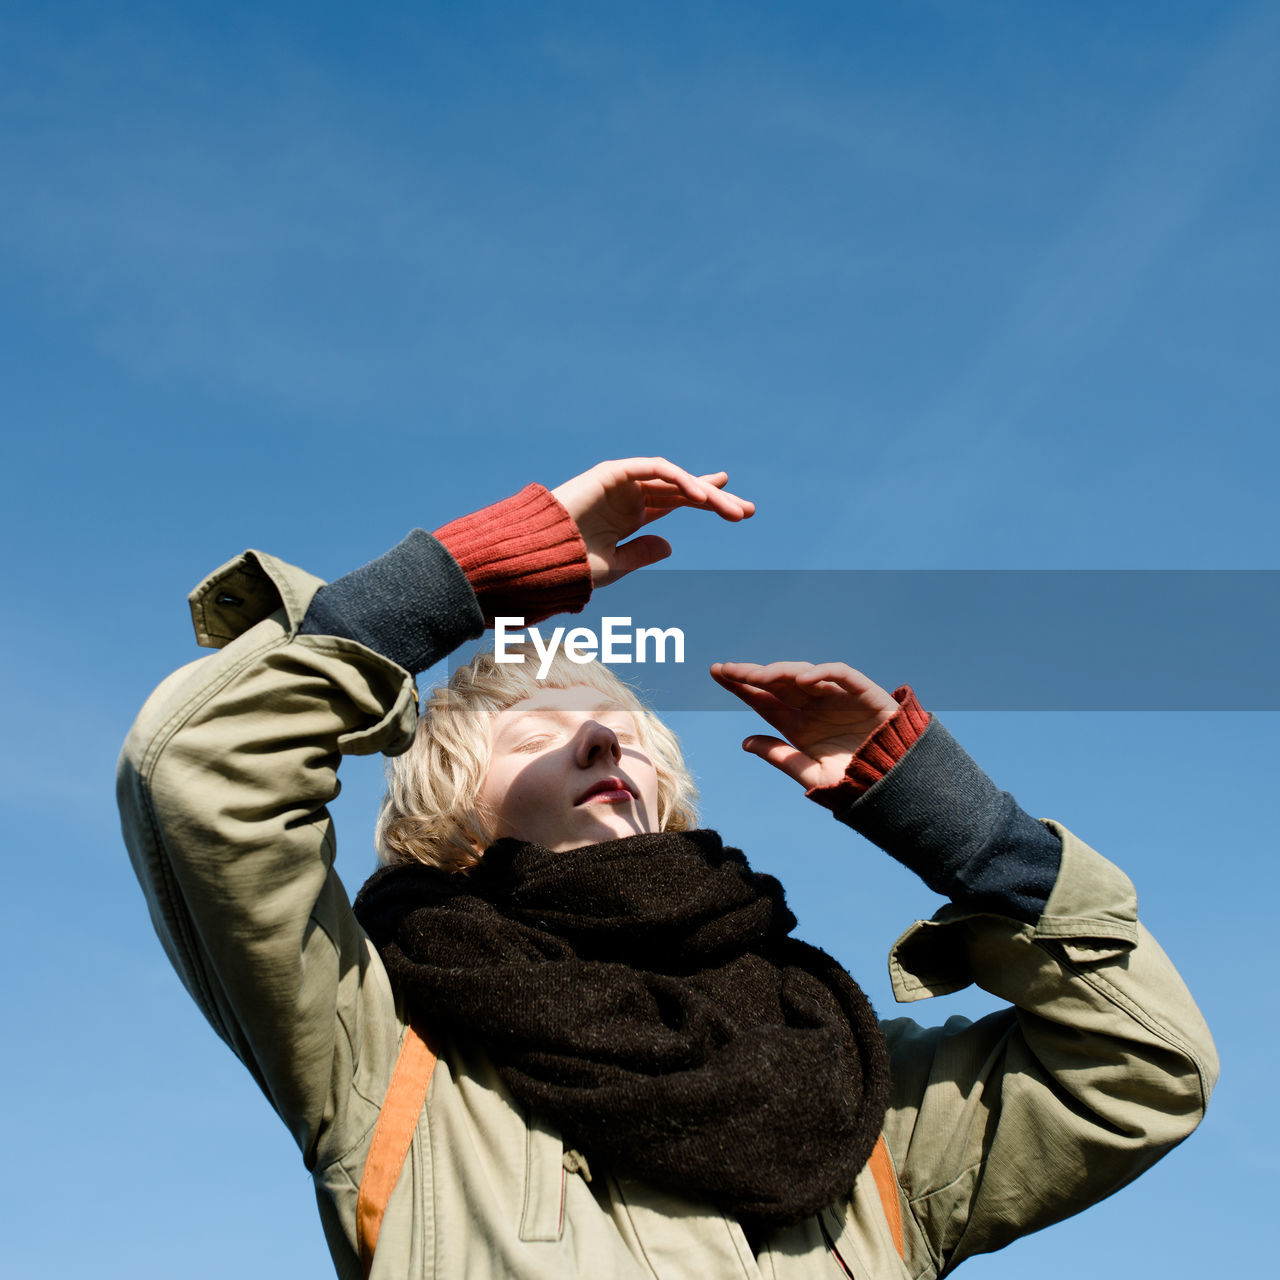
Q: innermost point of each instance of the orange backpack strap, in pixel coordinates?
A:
(887, 1186)
(392, 1136)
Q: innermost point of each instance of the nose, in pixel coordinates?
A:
(597, 742)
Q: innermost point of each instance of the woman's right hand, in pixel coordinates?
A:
(614, 499)
(826, 713)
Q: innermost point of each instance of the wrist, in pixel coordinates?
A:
(523, 556)
(878, 755)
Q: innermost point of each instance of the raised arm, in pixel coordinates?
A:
(223, 786)
(1102, 1062)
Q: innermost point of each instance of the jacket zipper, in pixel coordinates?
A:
(835, 1253)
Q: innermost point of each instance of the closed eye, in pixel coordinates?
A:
(624, 736)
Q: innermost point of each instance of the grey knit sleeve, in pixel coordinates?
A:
(413, 605)
(936, 812)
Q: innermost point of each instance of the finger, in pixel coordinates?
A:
(777, 678)
(695, 491)
(768, 672)
(644, 470)
(763, 703)
(782, 755)
(636, 554)
(661, 504)
(717, 479)
(713, 479)
(837, 673)
(661, 493)
(666, 507)
(828, 679)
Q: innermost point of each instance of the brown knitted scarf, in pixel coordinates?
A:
(643, 995)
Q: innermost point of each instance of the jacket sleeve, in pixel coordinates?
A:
(1101, 1064)
(223, 785)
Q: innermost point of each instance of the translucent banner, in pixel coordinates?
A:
(967, 640)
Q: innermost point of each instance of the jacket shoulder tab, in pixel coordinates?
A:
(241, 593)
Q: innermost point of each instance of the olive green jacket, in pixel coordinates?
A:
(996, 1127)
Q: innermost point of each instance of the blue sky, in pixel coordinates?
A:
(942, 286)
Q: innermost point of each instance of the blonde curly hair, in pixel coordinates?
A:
(431, 810)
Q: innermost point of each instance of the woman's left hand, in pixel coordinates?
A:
(613, 499)
(824, 712)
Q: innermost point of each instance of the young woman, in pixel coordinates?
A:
(634, 1069)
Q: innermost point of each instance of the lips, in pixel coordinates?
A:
(607, 787)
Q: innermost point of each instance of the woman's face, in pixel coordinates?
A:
(568, 770)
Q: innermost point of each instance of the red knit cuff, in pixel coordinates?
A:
(878, 754)
(523, 556)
